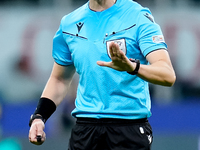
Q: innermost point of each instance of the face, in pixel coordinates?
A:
(99, 1)
(103, 1)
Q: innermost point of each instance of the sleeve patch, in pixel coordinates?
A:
(158, 39)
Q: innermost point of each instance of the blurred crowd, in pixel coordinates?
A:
(53, 2)
(177, 28)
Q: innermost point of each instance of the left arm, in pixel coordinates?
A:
(160, 70)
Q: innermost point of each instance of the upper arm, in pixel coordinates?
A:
(61, 52)
(162, 71)
(63, 72)
(159, 55)
(149, 33)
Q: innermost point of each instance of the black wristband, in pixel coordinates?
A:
(45, 109)
(137, 61)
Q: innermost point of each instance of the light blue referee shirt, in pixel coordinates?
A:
(82, 40)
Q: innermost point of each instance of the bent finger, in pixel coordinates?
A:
(115, 50)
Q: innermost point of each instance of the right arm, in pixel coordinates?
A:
(55, 90)
(58, 83)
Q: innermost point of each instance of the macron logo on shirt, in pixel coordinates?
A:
(79, 26)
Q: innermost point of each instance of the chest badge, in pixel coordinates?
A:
(120, 42)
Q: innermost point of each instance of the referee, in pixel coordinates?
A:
(116, 47)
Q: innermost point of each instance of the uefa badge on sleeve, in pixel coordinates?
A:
(158, 39)
(120, 42)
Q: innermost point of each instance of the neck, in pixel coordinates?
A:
(100, 5)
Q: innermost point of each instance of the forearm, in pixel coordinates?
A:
(56, 90)
(58, 83)
(159, 73)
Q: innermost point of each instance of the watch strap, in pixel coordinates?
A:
(33, 117)
(137, 61)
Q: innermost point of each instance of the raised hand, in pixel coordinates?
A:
(119, 60)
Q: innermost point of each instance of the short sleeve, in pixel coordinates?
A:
(61, 53)
(150, 36)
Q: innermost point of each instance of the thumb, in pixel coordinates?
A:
(103, 63)
(40, 134)
(40, 129)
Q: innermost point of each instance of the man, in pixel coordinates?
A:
(116, 48)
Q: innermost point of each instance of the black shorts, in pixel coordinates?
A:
(111, 134)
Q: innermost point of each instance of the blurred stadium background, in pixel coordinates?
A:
(26, 31)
